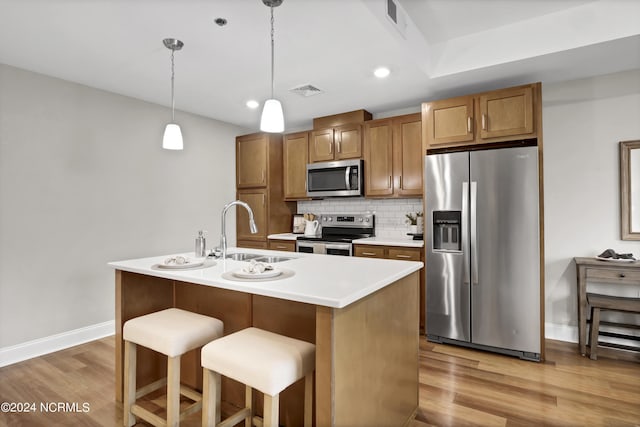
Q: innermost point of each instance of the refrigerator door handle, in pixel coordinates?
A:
(465, 230)
(474, 232)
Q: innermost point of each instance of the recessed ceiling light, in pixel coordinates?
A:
(381, 72)
(253, 104)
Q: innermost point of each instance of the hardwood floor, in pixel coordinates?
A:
(458, 387)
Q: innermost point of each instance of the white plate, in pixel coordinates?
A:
(264, 275)
(616, 260)
(187, 264)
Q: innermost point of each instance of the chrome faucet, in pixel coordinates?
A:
(223, 233)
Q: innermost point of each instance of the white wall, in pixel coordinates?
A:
(84, 181)
(584, 120)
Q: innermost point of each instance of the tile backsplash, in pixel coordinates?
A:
(390, 213)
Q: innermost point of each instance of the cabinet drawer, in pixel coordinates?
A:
(369, 251)
(282, 245)
(251, 244)
(614, 275)
(405, 254)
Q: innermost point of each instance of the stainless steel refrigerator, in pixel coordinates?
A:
(483, 250)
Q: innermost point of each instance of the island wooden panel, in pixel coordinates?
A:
(367, 355)
(370, 335)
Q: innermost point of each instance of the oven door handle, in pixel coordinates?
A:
(339, 246)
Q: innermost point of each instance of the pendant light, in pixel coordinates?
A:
(272, 119)
(172, 139)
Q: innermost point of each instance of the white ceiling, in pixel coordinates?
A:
(447, 48)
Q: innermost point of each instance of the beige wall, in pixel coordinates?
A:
(84, 181)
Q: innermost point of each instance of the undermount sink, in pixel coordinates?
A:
(243, 256)
(272, 259)
(240, 256)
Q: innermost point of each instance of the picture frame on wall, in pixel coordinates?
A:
(298, 224)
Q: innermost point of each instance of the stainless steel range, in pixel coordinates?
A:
(338, 231)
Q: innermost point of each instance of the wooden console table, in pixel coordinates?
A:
(600, 271)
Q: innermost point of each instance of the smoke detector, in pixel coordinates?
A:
(306, 90)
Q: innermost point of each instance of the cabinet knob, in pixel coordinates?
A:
(623, 275)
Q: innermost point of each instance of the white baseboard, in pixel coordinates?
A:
(553, 331)
(18, 353)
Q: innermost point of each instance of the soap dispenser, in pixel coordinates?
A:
(201, 244)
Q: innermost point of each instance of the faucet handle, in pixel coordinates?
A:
(215, 253)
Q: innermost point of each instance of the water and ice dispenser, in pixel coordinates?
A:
(446, 230)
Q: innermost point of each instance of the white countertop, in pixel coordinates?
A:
(391, 241)
(284, 236)
(327, 280)
(386, 241)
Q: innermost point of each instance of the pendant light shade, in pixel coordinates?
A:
(172, 139)
(272, 119)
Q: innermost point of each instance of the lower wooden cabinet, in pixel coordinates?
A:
(399, 253)
(282, 245)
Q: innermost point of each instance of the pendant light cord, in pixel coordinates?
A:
(272, 56)
(173, 102)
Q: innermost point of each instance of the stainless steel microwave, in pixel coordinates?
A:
(335, 179)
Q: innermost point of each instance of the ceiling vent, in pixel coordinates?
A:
(306, 90)
(396, 15)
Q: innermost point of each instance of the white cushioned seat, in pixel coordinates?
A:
(263, 360)
(172, 331)
(260, 360)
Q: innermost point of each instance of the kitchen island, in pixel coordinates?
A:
(361, 314)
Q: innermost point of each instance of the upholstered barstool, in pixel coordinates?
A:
(261, 360)
(172, 332)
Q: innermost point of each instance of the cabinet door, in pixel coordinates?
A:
(251, 161)
(378, 155)
(348, 142)
(506, 112)
(368, 251)
(257, 200)
(408, 156)
(295, 158)
(448, 122)
(321, 146)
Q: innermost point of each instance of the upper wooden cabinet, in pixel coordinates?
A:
(506, 112)
(497, 116)
(393, 157)
(251, 160)
(295, 157)
(340, 142)
(259, 174)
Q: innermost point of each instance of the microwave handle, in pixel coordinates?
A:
(347, 175)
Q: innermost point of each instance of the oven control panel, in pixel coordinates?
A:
(347, 220)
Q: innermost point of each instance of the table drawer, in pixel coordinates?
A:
(404, 254)
(618, 275)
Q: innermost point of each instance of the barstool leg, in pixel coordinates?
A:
(248, 403)
(595, 326)
(129, 382)
(210, 398)
(173, 391)
(308, 400)
(271, 404)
